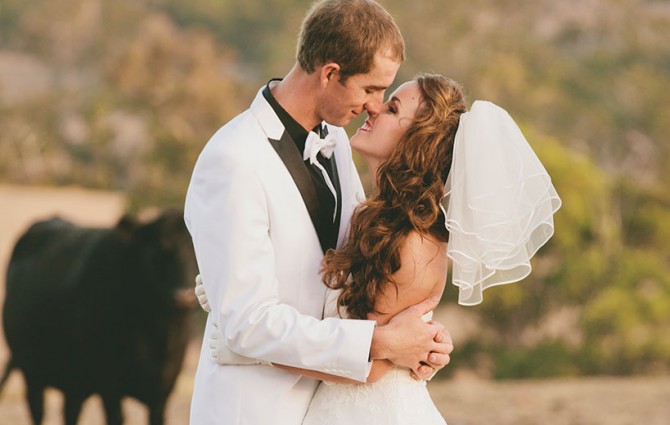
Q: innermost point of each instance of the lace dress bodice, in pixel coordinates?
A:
(396, 399)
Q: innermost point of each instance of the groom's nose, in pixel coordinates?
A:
(374, 103)
(373, 108)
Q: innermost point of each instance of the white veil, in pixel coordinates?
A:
(499, 203)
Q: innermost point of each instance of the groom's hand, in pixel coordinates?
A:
(200, 293)
(408, 341)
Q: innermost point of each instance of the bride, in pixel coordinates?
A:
(494, 213)
(395, 255)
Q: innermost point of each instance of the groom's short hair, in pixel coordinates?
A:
(349, 33)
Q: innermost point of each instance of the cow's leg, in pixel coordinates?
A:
(112, 403)
(157, 413)
(73, 402)
(35, 399)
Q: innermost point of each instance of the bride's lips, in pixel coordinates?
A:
(367, 126)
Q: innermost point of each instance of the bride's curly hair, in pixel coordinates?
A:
(410, 185)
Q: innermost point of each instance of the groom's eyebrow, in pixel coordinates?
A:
(376, 88)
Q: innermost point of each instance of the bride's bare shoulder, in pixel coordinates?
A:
(423, 250)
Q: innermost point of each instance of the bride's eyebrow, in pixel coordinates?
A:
(394, 99)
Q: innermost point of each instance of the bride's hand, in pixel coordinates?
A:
(408, 341)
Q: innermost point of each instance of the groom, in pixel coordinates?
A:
(262, 208)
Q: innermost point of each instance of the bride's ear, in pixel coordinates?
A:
(329, 73)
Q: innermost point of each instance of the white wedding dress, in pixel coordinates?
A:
(396, 399)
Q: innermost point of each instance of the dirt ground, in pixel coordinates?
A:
(464, 400)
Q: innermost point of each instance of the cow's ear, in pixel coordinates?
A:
(171, 229)
(127, 226)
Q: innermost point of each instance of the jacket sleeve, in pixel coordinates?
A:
(226, 214)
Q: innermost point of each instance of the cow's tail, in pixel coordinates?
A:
(8, 369)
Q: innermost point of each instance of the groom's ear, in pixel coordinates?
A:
(329, 73)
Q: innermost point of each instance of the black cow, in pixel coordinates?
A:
(100, 311)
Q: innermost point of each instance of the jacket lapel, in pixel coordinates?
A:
(291, 158)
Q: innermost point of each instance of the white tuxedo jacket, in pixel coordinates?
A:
(259, 256)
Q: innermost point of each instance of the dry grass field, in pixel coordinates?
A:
(463, 400)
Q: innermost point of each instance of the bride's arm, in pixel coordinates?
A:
(379, 369)
(422, 274)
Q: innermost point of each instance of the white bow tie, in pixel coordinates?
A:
(314, 144)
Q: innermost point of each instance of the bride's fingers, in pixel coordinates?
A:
(423, 373)
(438, 360)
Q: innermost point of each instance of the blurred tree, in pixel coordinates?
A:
(263, 31)
(181, 83)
